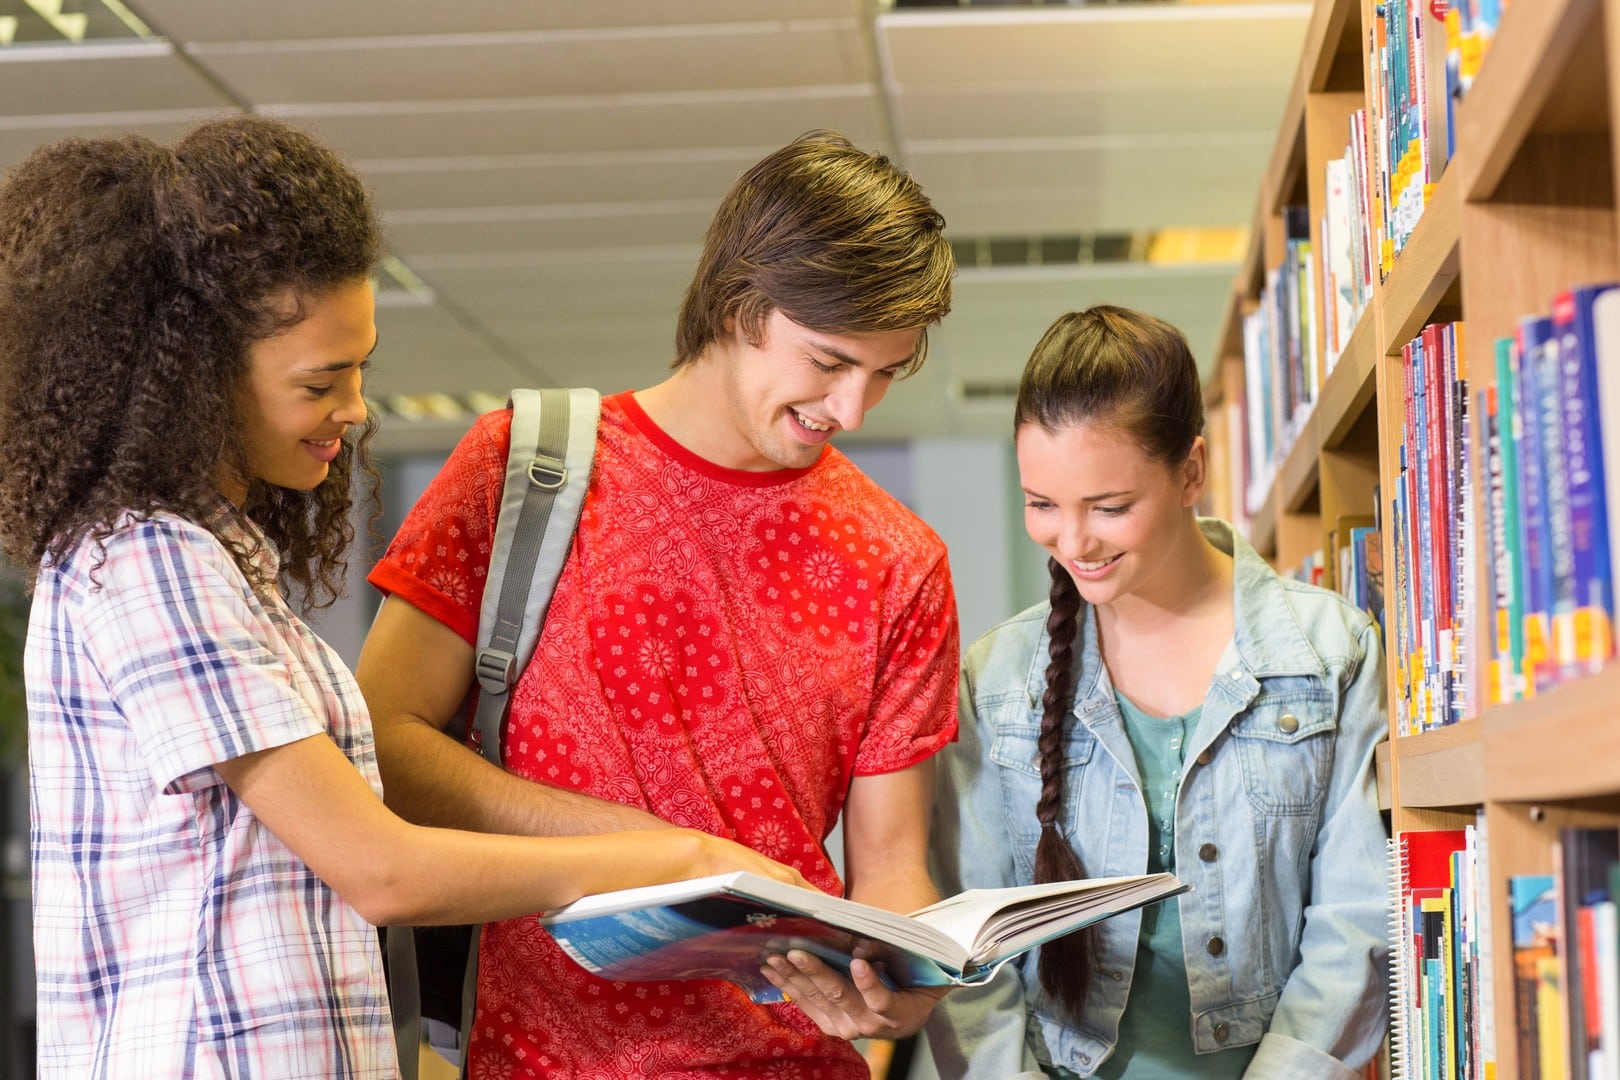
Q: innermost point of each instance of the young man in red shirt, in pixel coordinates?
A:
(748, 637)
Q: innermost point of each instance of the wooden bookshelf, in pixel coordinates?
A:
(1443, 767)
(1562, 744)
(1546, 71)
(1525, 209)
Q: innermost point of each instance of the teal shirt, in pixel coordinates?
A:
(1155, 1032)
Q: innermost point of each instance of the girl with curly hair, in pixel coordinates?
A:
(183, 333)
(1175, 705)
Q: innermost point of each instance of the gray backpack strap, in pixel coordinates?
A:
(547, 472)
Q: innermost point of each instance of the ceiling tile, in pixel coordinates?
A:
(730, 56)
(211, 20)
(1095, 43)
(413, 127)
(61, 80)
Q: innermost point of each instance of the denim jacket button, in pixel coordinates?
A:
(1117, 976)
(1208, 852)
(1222, 1032)
(1216, 946)
(1203, 757)
(1289, 723)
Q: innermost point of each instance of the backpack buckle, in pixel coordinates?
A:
(494, 670)
(548, 473)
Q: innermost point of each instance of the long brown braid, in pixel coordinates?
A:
(1065, 964)
(1134, 373)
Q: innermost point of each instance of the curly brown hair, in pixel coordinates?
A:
(835, 238)
(134, 278)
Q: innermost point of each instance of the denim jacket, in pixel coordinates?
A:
(1277, 831)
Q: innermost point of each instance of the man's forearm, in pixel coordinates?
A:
(430, 779)
(903, 890)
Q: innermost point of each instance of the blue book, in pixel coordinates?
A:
(1591, 628)
(1545, 380)
(721, 927)
(1535, 332)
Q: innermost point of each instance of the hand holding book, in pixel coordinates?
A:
(853, 1002)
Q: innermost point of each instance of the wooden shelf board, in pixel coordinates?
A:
(1561, 744)
(1443, 767)
(1530, 77)
(1382, 768)
(1427, 267)
(1350, 386)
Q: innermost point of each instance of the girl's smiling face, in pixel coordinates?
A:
(1102, 507)
(303, 391)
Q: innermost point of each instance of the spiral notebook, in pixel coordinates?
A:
(1422, 1026)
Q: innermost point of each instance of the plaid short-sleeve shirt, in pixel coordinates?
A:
(174, 934)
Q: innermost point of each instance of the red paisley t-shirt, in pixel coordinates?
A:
(726, 650)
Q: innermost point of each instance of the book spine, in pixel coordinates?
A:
(1559, 548)
(1512, 516)
(1533, 334)
(1606, 408)
(1497, 683)
(1583, 465)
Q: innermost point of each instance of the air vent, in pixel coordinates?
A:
(1061, 249)
(1160, 247)
(987, 390)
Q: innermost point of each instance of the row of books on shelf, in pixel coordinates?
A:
(1552, 442)
(1565, 962)
(1431, 512)
(1442, 997)
(1349, 263)
(1422, 57)
(1351, 563)
(1539, 533)
(1280, 370)
(1410, 98)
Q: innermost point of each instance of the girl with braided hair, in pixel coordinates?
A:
(1174, 705)
(182, 336)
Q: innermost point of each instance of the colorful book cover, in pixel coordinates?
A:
(1606, 350)
(1584, 856)
(1497, 687)
(1540, 671)
(1592, 585)
(1545, 383)
(1534, 911)
(1367, 567)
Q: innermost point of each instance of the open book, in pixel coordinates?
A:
(722, 927)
